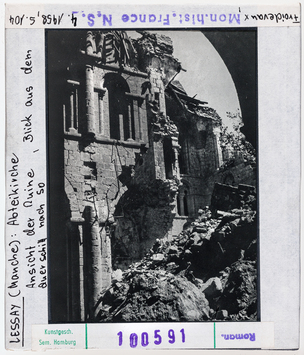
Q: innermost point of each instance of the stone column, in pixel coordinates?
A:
(181, 196)
(90, 86)
(136, 120)
(218, 148)
(130, 120)
(89, 43)
(106, 262)
(121, 127)
(140, 134)
(100, 128)
(95, 267)
(76, 113)
(72, 109)
(90, 100)
(81, 275)
(159, 160)
(175, 147)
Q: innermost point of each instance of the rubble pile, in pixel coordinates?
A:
(207, 272)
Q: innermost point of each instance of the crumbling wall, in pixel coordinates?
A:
(92, 177)
(207, 272)
(91, 181)
(239, 156)
(146, 215)
(121, 184)
(146, 210)
(200, 152)
(147, 207)
(155, 51)
(226, 197)
(93, 165)
(237, 173)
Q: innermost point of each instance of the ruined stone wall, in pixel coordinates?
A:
(112, 167)
(241, 173)
(120, 171)
(147, 216)
(148, 205)
(202, 156)
(227, 198)
(92, 168)
(200, 153)
(91, 182)
(94, 174)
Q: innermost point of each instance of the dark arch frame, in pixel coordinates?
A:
(238, 49)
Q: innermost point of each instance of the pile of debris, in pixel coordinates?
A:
(207, 272)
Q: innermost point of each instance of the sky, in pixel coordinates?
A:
(207, 76)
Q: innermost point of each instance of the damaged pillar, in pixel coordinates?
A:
(218, 149)
(180, 201)
(89, 87)
(95, 263)
(106, 260)
(158, 150)
(101, 113)
(176, 147)
(81, 275)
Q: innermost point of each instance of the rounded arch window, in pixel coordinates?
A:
(121, 113)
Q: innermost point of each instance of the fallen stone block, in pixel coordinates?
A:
(158, 257)
(212, 288)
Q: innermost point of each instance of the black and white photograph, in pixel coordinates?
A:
(153, 174)
(152, 142)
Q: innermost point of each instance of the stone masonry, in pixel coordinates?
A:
(140, 158)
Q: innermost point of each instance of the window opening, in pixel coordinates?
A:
(182, 155)
(71, 108)
(169, 157)
(202, 140)
(121, 109)
(185, 201)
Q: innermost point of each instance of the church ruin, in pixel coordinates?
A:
(132, 158)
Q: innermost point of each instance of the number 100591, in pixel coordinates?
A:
(144, 339)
